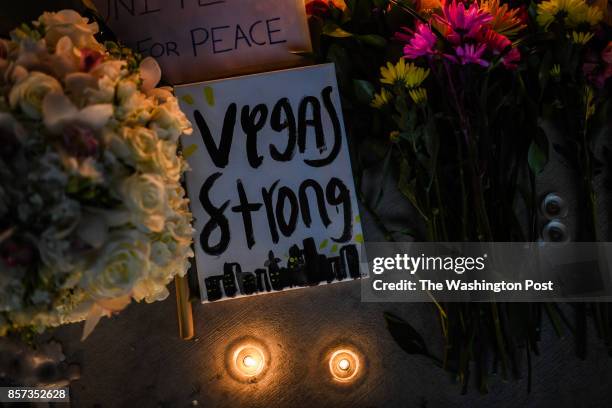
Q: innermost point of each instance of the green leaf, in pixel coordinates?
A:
(406, 231)
(373, 39)
(333, 30)
(538, 153)
(405, 335)
(340, 57)
(364, 91)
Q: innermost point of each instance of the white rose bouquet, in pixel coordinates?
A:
(92, 212)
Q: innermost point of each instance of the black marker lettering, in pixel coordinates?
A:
(304, 206)
(267, 198)
(278, 124)
(338, 194)
(240, 35)
(217, 220)
(270, 32)
(195, 43)
(255, 24)
(333, 115)
(286, 228)
(314, 122)
(147, 10)
(215, 40)
(219, 155)
(252, 122)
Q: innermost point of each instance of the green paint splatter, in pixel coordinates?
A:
(209, 93)
(189, 150)
(334, 249)
(324, 244)
(358, 218)
(187, 99)
(359, 238)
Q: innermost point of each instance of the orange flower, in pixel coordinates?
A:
(321, 8)
(423, 5)
(505, 21)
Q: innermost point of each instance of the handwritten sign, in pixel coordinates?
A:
(196, 40)
(271, 186)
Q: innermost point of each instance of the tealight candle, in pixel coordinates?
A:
(249, 360)
(344, 365)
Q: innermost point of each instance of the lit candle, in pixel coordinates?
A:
(344, 365)
(249, 360)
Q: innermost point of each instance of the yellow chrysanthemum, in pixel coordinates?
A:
(418, 95)
(573, 13)
(581, 38)
(555, 71)
(394, 136)
(592, 15)
(505, 20)
(381, 99)
(402, 74)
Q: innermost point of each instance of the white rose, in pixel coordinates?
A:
(106, 75)
(169, 121)
(145, 196)
(134, 106)
(161, 252)
(167, 161)
(117, 268)
(66, 59)
(142, 142)
(176, 198)
(29, 93)
(72, 24)
(179, 227)
(151, 290)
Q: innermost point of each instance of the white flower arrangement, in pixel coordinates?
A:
(92, 212)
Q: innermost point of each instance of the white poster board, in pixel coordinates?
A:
(196, 40)
(271, 185)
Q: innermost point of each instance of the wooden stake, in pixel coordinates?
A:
(183, 308)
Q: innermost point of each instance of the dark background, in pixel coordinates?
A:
(136, 359)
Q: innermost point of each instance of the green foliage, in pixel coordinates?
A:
(467, 159)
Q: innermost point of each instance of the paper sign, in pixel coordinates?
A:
(196, 40)
(271, 186)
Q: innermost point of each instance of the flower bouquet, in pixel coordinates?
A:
(92, 211)
(460, 102)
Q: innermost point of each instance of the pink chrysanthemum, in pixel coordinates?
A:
(496, 42)
(469, 54)
(462, 22)
(420, 43)
(512, 58)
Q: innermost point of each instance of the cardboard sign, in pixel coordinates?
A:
(271, 185)
(196, 40)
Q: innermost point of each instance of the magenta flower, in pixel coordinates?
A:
(512, 58)
(496, 42)
(90, 59)
(80, 141)
(421, 43)
(462, 22)
(469, 54)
